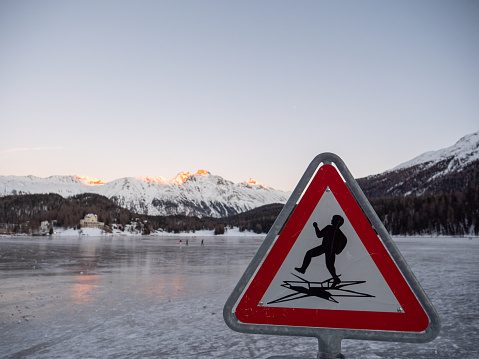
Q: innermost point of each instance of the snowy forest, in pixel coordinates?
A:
(24, 213)
(452, 214)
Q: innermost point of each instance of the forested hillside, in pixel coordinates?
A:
(455, 213)
(258, 220)
(451, 214)
(24, 213)
(420, 181)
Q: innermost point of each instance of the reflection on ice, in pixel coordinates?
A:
(83, 287)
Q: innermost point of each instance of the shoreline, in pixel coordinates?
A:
(234, 232)
(96, 232)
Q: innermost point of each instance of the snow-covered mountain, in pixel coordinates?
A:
(462, 153)
(455, 168)
(63, 185)
(200, 194)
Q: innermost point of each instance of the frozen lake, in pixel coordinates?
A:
(132, 297)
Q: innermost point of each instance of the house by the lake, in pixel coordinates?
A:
(91, 221)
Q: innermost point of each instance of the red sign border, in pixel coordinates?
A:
(413, 318)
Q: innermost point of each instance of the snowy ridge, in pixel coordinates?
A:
(451, 169)
(63, 185)
(201, 194)
(463, 152)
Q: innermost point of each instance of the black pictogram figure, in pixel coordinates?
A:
(334, 242)
(324, 290)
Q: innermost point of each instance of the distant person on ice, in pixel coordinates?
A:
(334, 242)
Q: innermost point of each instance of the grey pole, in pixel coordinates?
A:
(329, 347)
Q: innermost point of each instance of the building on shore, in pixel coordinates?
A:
(45, 227)
(91, 221)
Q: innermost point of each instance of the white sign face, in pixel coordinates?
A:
(319, 274)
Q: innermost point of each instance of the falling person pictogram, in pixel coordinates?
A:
(334, 242)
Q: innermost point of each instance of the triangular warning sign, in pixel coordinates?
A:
(332, 266)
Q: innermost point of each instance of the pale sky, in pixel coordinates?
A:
(243, 89)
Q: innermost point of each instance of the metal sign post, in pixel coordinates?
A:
(329, 269)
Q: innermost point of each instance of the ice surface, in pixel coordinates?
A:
(131, 297)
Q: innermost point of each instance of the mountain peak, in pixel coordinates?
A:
(90, 181)
(183, 176)
(202, 173)
(253, 182)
